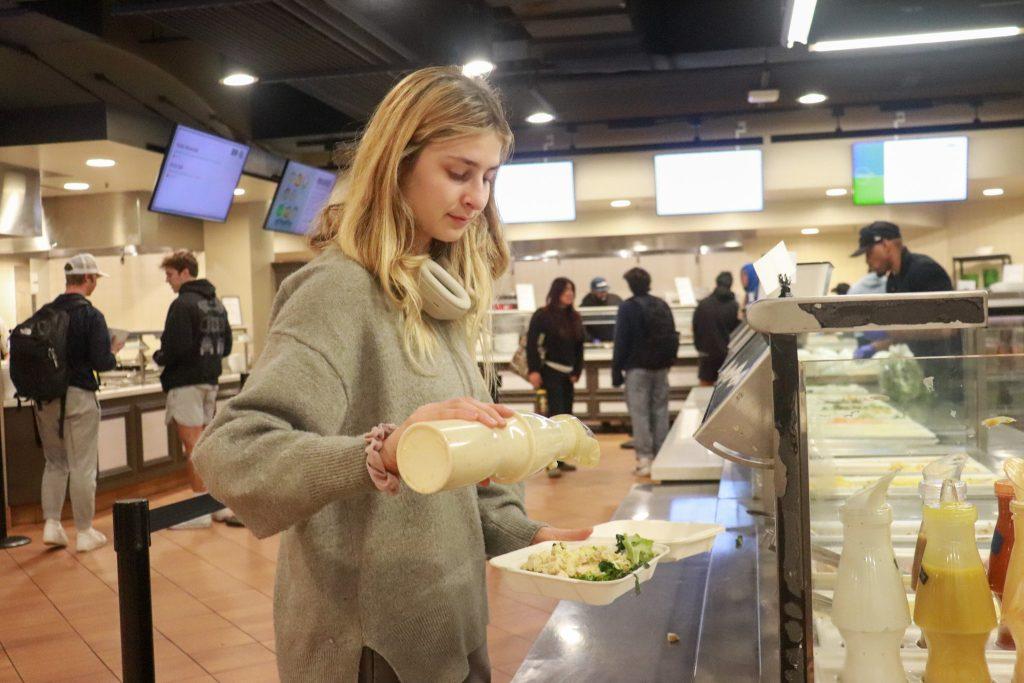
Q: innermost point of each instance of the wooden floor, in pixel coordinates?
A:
(212, 593)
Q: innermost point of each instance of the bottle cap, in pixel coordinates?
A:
(1004, 488)
(936, 472)
(870, 500)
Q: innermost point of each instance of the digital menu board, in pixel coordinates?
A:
(300, 195)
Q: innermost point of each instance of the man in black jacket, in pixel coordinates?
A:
(646, 345)
(600, 296)
(714, 320)
(74, 455)
(196, 337)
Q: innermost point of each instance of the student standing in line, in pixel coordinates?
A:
(72, 448)
(196, 337)
(646, 346)
(556, 331)
(714, 319)
(600, 296)
(374, 581)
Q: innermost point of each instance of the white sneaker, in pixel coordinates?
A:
(90, 539)
(204, 522)
(643, 467)
(53, 534)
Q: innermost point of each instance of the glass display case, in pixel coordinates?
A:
(841, 424)
(135, 365)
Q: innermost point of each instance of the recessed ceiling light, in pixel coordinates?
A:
(915, 39)
(835, 192)
(705, 249)
(732, 244)
(239, 79)
(239, 191)
(992, 191)
(477, 67)
(100, 163)
(810, 231)
(624, 253)
(812, 98)
(76, 187)
(639, 247)
(550, 253)
(540, 117)
(620, 203)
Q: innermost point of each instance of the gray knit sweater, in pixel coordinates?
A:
(403, 575)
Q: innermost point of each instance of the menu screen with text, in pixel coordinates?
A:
(199, 175)
(300, 195)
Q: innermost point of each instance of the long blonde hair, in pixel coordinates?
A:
(371, 222)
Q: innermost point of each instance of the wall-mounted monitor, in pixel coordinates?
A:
(199, 175)
(536, 193)
(906, 171)
(300, 195)
(708, 182)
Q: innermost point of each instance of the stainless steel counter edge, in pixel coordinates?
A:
(710, 601)
(106, 394)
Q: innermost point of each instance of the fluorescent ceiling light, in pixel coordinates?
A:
(732, 244)
(800, 22)
(238, 79)
(812, 98)
(100, 163)
(239, 191)
(540, 117)
(810, 231)
(992, 192)
(76, 187)
(915, 39)
(835, 192)
(620, 203)
(477, 67)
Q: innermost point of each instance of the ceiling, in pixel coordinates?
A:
(613, 72)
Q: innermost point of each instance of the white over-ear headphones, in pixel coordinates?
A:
(444, 297)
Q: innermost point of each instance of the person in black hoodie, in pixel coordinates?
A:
(73, 454)
(556, 330)
(196, 337)
(717, 315)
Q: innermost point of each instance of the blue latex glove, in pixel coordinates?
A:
(866, 351)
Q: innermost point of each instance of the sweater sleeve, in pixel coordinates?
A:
(532, 339)
(503, 517)
(273, 454)
(176, 339)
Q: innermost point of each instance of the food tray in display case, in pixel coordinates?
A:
(565, 588)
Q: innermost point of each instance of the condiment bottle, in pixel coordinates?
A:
(446, 454)
(870, 603)
(999, 556)
(930, 488)
(954, 604)
(1013, 587)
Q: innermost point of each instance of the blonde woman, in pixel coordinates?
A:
(374, 581)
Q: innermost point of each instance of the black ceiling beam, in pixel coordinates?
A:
(650, 147)
(903, 130)
(144, 8)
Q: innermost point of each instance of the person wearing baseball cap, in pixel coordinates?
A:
(600, 296)
(72, 453)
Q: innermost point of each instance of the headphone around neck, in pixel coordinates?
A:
(444, 297)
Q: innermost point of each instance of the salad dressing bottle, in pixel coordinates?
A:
(999, 555)
(1013, 588)
(954, 604)
(932, 476)
(870, 603)
(446, 454)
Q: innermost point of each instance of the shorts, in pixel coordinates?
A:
(191, 406)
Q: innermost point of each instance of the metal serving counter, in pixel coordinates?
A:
(705, 600)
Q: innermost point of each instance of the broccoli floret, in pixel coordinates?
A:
(638, 550)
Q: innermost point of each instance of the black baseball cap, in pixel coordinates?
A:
(875, 233)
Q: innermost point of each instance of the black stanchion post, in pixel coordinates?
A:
(5, 540)
(131, 542)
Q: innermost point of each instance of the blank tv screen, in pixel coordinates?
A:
(199, 175)
(300, 195)
(905, 171)
(536, 193)
(708, 182)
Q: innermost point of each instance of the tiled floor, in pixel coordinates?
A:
(212, 593)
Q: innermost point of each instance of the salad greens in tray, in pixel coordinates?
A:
(594, 562)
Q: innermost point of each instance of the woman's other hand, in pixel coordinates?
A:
(550, 533)
(535, 380)
(492, 415)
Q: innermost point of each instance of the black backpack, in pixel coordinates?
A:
(661, 341)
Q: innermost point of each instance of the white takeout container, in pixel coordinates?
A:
(682, 538)
(563, 588)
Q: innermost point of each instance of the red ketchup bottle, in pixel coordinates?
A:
(999, 558)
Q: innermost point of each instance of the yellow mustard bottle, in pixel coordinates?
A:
(954, 605)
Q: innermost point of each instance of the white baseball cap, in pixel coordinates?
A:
(83, 264)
